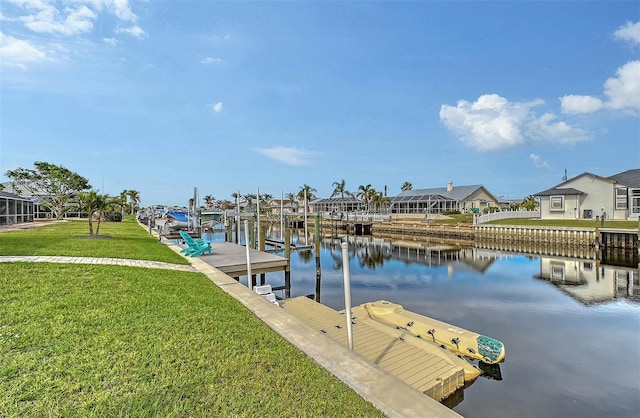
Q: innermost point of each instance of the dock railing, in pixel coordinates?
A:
(367, 217)
(507, 214)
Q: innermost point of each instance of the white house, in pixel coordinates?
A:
(588, 195)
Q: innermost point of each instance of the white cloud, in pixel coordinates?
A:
(629, 32)
(622, 91)
(538, 162)
(69, 21)
(211, 60)
(573, 104)
(110, 41)
(290, 156)
(217, 107)
(134, 30)
(18, 53)
(72, 17)
(493, 123)
(123, 11)
(545, 128)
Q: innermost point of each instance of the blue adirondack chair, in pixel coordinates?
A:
(195, 247)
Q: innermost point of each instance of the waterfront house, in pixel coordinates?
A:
(15, 209)
(588, 196)
(336, 204)
(465, 199)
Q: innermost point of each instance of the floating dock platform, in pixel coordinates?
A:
(399, 354)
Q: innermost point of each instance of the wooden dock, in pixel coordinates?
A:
(232, 260)
(430, 374)
(279, 245)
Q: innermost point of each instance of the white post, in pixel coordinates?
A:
(347, 292)
(305, 218)
(258, 210)
(238, 217)
(281, 214)
(246, 245)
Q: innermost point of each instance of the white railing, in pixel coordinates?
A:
(358, 216)
(507, 214)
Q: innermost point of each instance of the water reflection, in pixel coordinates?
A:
(564, 316)
(589, 281)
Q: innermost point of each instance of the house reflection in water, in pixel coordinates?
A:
(590, 281)
(372, 252)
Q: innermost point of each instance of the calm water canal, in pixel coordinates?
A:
(571, 327)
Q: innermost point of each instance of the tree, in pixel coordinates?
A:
(265, 203)
(530, 203)
(56, 184)
(87, 203)
(250, 197)
(365, 193)
(309, 191)
(406, 186)
(291, 198)
(209, 200)
(134, 199)
(122, 203)
(379, 201)
(95, 205)
(103, 203)
(340, 189)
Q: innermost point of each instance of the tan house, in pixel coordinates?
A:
(465, 199)
(588, 196)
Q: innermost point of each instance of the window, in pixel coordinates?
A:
(557, 203)
(635, 201)
(557, 272)
(621, 199)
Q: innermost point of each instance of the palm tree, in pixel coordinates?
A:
(309, 191)
(379, 200)
(406, 186)
(249, 198)
(340, 189)
(530, 203)
(134, 199)
(94, 203)
(122, 203)
(265, 202)
(291, 198)
(209, 200)
(102, 204)
(365, 193)
(87, 203)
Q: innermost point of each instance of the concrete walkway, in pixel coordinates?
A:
(92, 260)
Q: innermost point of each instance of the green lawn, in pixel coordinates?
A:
(93, 340)
(71, 238)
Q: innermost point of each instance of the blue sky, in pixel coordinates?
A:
(165, 96)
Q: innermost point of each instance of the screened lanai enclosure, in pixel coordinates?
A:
(443, 199)
(336, 204)
(15, 209)
(423, 203)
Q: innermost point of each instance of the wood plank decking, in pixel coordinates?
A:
(232, 260)
(429, 374)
